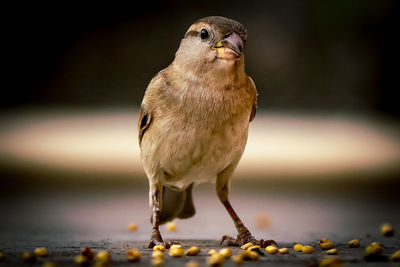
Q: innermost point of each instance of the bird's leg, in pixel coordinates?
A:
(244, 236)
(156, 204)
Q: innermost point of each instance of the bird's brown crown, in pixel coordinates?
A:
(225, 25)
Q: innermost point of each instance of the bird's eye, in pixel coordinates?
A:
(204, 34)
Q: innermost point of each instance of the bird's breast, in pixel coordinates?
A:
(195, 134)
(198, 152)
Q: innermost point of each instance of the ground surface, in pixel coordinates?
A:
(65, 220)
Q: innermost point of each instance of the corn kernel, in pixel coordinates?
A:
(283, 250)
(324, 240)
(245, 255)
(378, 246)
(87, 252)
(255, 248)
(157, 255)
(49, 264)
(133, 255)
(176, 251)
(192, 264)
(103, 256)
(254, 255)
(387, 230)
(41, 252)
(250, 255)
(246, 246)
(133, 227)
(333, 251)
(297, 247)
(307, 249)
(212, 251)
(28, 257)
(82, 260)
(327, 245)
(331, 262)
(354, 243)
(395, 256)
(2, 256)
(372, 250)
(193, 251)
(271, 249)
(157, 262)
(215, 260)
(159, 248)
(226, 253)
(171, 226)
(238, 259)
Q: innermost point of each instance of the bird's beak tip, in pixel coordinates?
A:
(231, 47)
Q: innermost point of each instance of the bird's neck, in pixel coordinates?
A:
(217, 75)
(212, 92)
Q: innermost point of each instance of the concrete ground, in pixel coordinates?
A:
(64, 219)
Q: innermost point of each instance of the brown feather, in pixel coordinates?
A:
(144, 122)
(225, 25)
(254, 109)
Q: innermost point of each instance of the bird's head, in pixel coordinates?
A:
(213, 41)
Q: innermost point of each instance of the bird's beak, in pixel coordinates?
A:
(230, 48)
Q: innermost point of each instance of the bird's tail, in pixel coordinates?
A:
(176, 204)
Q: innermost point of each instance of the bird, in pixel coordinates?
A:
(193, 124)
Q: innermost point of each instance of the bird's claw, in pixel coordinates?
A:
(244, 239)
(166, 244)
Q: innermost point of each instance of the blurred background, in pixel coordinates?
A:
(327, 127)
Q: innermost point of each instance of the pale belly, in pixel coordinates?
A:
(182, 156)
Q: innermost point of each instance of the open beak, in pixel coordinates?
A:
(230, 48)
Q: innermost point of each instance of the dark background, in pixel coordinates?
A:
(308, 55)
(322, 157)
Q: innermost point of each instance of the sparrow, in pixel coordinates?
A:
(193, 123)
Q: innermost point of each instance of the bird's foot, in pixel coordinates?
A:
(246, 238)
(166, 244)
(156, 239)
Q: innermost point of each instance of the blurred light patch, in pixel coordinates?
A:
(284, 145)
(299, 145)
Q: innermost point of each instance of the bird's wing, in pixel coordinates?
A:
(144, 121)
(149, 106)
(254, 109)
